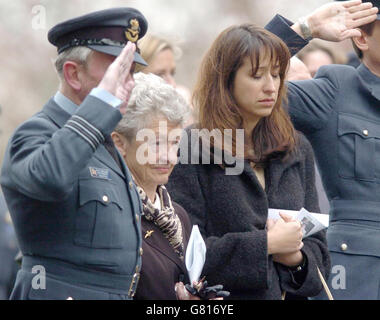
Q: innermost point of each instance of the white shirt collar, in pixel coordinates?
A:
(65, 103)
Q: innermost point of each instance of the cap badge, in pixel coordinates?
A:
(132, 33)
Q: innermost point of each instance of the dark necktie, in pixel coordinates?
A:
(109, 145)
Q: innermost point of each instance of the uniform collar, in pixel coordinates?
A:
(55, 113)
(65, 103)
(369, 80)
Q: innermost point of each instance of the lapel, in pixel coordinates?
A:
(60, 117)
(276, 169)
(248, 171)
(273, 174)
(158, 241)
(104, 156)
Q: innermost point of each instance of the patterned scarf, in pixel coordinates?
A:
(166, 218)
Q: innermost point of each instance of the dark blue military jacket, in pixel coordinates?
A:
(339, 112)
(75, 212)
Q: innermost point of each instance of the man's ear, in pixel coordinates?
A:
(71, 71)
(120, 143)
(362, 41)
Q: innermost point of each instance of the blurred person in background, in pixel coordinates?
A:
(8, 251)
(75, 208)
(241, 86)
(298, 70)
(317, 53)
(161, 56)
(338, 111)
(156, 107)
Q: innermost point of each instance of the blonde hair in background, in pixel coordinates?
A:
(151, 45)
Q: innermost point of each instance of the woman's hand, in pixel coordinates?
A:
(337, 21)
(284, 235)
(288, 259)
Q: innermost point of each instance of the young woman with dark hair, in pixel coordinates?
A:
(240, 89)
(240, 60)
(241, 86)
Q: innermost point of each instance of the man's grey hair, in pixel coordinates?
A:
(77, 54)
(151, 97)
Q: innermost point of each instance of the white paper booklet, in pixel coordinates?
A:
(195, 255)
(311, 222)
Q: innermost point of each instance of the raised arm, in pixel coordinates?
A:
(336, 21)
(45, 160)
(333, 22)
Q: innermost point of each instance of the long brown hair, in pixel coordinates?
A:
(274, 135)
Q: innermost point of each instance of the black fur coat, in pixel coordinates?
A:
(231, 212)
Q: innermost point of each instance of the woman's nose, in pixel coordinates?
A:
(270, 84)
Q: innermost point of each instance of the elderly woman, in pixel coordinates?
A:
(156, 112)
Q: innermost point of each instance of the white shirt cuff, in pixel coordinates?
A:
(107, 97)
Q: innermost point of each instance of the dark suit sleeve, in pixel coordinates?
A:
(311, 102)
(46, 160)
(315, 246)
(281, 28)
(237, 260)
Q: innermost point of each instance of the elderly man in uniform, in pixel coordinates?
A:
(74, 206)
(339, 113)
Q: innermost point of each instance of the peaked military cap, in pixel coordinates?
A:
(106, 31)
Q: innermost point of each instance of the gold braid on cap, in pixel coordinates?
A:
(132, 33)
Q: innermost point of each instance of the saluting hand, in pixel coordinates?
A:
(337, 21)
(118, 79)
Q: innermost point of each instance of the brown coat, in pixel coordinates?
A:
(161, 266)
